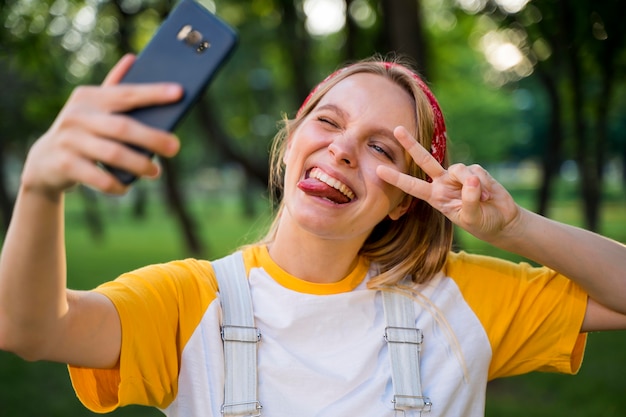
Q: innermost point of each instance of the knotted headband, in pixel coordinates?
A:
(438, 141)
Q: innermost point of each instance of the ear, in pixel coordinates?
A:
(401, 209)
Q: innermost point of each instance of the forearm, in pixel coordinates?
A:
(596, 263)
(33, 274)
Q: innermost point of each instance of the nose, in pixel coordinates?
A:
(342, 150)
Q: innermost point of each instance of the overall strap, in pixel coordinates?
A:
(240, 338)
(404, 342)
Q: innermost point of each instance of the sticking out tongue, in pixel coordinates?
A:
(318, 188)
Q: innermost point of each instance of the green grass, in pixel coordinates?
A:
(597, 390)
(44, 389)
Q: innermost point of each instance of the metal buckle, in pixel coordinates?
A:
(245, 409)
(424, 408)
(404, 335)
(242, 334)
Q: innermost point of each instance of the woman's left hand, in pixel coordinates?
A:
(467, 195)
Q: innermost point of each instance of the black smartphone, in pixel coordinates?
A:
(188, 48)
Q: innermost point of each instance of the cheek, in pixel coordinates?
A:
(393, 194)
(293, 152)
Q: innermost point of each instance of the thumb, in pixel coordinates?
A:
(471, 198)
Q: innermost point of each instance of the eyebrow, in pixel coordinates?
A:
(334, 108)
(381, 131)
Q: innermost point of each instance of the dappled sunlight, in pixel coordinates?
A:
(324, 17)
(507, 53)
(512, 6)
(508, 6)
(502, 55)
(362, 13)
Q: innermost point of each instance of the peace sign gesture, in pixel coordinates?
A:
(467, 195)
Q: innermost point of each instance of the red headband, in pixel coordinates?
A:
(438, 141)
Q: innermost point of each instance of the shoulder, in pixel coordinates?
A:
(477, 270)
(487, 282)
(465, 262)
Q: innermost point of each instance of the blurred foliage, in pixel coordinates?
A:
(50, 46)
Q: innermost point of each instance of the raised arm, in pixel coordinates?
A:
(39, 317)
(473, 200)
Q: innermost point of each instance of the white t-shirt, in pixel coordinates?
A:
(322, 351)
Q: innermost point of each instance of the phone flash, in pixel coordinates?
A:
(184, 33)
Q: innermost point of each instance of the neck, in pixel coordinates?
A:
(314, 259)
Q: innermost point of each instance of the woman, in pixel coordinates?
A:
(367, 205)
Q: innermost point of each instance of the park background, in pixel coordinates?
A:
(533, 90)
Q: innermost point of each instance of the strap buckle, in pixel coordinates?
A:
(247, 409)
(242, 334)
(409, 335)
(404, 403)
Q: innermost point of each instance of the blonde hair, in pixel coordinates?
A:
(417, 244)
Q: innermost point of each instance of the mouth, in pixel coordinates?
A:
(320, 184)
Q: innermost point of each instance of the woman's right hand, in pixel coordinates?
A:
(91, 128)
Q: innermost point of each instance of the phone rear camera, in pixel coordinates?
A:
(194, 37)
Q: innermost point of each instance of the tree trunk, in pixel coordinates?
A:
(623, 157)
(217, 137)
(551, 159)
(6, 201)
(175, 201)
(140, 202)
(297, 44)
(405, 31)
(93, 219)
(590, 184)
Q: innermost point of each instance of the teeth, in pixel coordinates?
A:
(336, 184)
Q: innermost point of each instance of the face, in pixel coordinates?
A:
(331, 187)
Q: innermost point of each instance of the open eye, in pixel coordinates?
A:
(381, 150)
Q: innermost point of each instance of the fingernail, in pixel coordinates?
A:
(173, 147)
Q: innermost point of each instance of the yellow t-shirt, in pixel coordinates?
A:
(322, 350)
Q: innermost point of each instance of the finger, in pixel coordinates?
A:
(119, 70)
(125, 129)
(420, 155)
(126, 97)
(471, 198)
(461, 173)
(140, 95)
(91, 175)
(114, 154)
(407, 183)
(157, 173)
(122, 98)
(66, 166)
(486, 181)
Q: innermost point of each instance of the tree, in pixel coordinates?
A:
(575, 52)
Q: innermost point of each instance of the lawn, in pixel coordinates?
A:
(43, 389)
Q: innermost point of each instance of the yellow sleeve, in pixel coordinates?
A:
(532, 315)
(159, 308)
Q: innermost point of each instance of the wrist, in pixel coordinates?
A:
(514, 231)
(40, 192)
